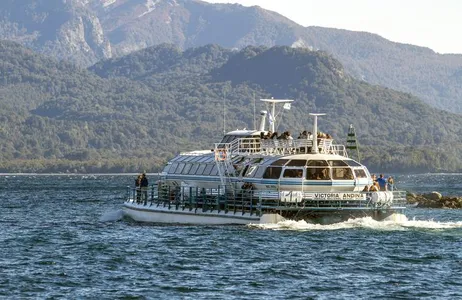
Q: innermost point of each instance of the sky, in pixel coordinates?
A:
(429, 23)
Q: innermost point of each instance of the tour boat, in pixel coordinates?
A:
(250, 178)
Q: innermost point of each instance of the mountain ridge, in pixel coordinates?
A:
(87, 31)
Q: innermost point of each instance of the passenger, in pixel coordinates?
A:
(391, 183)
(144, 188)
(137, 188)
(375, 187)
(303, 135)
(288, 136)
(366, 188)
(274, 135)
(382, 183)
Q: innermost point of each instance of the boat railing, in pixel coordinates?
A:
(257, 146)
(258, 201)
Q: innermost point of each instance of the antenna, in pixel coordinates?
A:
(315, 132)
(224, 112)
(272, 114)
(254, 109)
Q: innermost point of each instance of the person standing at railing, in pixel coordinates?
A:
(390, 183)
(144, 188)
(382, 183)
(137, 188)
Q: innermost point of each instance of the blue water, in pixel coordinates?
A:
(63, 237)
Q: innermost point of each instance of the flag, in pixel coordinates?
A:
(286, 106)
(270, 118)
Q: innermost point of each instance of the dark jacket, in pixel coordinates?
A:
(144, 182)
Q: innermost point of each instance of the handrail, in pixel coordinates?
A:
(219, 199)
(257, 146)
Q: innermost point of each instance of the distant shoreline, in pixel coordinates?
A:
(78, 174)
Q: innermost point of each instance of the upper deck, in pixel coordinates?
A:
(257, 147)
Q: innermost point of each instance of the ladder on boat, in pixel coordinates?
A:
(224, 165)
(352, 142)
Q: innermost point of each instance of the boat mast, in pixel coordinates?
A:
(272, 117)
(315, 149)
(224, 113)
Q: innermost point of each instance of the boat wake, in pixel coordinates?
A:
(392, 223)
(112, 216)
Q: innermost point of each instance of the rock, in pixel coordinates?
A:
(435, 200)
(433, 196)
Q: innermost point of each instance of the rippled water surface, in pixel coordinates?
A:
(63, 237)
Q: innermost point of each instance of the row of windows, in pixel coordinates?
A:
(279, 162)
(273, 172)
(315, 163)
(193, 169)
(326, 173)
(194, 158)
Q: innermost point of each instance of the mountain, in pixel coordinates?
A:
(86, 31)
(134, 112)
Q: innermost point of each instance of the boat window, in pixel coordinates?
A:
(337, 163)
(297, 162)
(238, 159)
(203, 159)
(317, 163)
(201, 169)
(166, 168)
(208, 169)
(342, 173)
(181, 158)
(352, 163)
(318, 174)
(272, 172)
(257, 160)
(193, 169)
(259, 172)
(293, 173)
(279, 162)
(228, 139)
(186, 169)
(195, 158)
(251, 171)
(360, 173)
(172, 168)
(244, 170)
(187, 158)
(214, 171)
(179, 169)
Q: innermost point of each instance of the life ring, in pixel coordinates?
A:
(221, 154)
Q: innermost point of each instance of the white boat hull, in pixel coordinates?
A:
(164, 214)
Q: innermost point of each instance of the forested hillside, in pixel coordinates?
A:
(133, 113)
(87, 31)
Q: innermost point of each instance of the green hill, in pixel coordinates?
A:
(135, 112)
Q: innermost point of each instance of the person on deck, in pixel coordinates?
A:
(391, 183)
(137, 188)
(382, 183)
(374, 187)
(144, 188)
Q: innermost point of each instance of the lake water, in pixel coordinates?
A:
(63, 237)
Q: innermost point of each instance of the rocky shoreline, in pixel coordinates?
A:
(434, 200)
